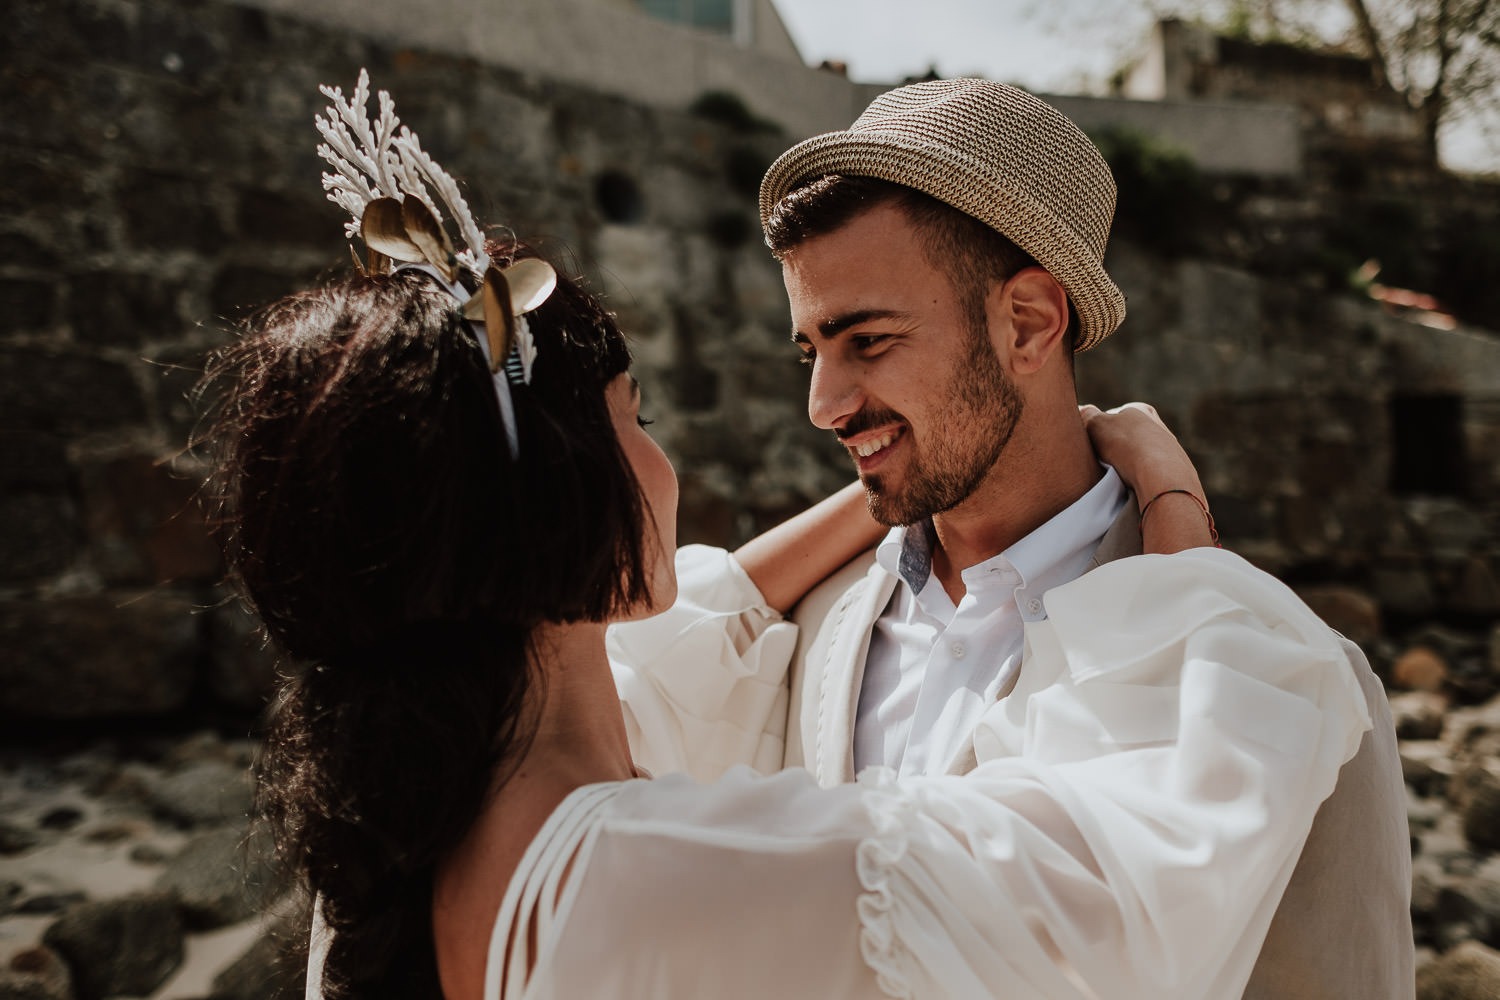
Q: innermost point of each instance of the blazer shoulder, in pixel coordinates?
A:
(819, 602)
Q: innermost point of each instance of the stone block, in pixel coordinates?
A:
(202, 793)
(220, 877)
(32, 461)
(38, 184)
(97, 656)
(63, 392)
(144, 524)
(39, 535)
(242, 666)
(704, 516)
(1470, 971)
(282, 217)
(126, 946)
(1481, 810)
(1420, 669)
(26, 304)
(169, 212)
(20, 249)
(268, 970)
(1476, 591)
(173, 374)
(1426, 767)
(1353, 613)
(117, 308)
(1419, 715)
(1448, 529)
(36, 973)
(1403, 586)
(239, 290)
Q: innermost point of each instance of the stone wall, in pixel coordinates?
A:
(603, 47)
(1353, 452)
(160, 180)
(1221, 137)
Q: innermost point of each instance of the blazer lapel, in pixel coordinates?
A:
(835, 623)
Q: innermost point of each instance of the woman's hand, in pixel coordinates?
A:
(1174, 508)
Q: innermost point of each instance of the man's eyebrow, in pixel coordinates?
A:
(832, 327)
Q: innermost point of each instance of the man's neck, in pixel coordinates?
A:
(1037, 478)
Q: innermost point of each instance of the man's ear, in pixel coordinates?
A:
(1036, 308)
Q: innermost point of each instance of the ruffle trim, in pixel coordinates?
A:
(877, 854)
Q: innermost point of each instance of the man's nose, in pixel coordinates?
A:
(833, 396)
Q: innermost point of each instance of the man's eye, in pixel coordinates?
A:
(807, 358)
(865, 341)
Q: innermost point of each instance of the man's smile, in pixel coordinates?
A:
(870, 449)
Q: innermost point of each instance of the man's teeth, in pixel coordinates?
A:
(873, 445)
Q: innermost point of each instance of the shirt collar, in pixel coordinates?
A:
(1054, 553)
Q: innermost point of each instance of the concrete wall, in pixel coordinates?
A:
(1264, 140)
(611, 50)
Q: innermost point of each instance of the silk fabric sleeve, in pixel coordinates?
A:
(703, 685)
(1140, 802)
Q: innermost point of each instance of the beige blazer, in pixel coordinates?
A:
(1343, 929)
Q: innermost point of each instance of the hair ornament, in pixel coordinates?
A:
(386, 181)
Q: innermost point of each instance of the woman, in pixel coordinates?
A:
(441, 519)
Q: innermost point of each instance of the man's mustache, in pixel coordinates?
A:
(866, 420)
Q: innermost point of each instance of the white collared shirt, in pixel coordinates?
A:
(933, 667)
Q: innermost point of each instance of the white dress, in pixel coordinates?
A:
(1139, 805)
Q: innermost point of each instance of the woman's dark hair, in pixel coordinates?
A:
(372, 516)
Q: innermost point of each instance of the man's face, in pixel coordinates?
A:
(920, 399)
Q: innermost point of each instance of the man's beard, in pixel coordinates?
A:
(964, 441)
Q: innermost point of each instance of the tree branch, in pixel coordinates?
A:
(1374, 49)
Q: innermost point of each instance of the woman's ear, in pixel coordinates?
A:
(1035, 308)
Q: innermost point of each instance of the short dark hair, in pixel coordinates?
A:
(969, 252)
(373, 517)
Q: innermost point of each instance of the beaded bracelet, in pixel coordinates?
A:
(1213, 532)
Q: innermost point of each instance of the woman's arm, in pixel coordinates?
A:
(1174, 509)
(793, 557)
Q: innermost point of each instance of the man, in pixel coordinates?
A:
(943, 259)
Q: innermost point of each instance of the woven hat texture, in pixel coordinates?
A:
(996, 153)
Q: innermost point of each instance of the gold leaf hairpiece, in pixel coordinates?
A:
(381, 176)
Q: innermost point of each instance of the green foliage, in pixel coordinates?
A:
(1163, 200)
(730, 110)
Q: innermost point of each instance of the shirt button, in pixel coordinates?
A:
(1034, 606)
(957, 649)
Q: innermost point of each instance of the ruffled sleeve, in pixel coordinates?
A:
(1141, 798)
(1140, 804)
(703, 685)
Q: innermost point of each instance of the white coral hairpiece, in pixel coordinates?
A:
(381, 177)
(387, 160)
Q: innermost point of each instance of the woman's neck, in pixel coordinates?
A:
(579, 740)
(580, 730)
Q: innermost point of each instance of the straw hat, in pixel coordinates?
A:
(996, 153)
